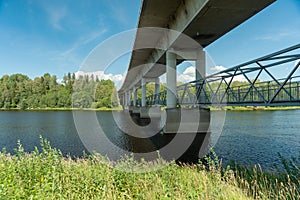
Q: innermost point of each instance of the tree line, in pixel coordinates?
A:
(19, 91)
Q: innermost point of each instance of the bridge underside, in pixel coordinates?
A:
(182, 28)
(202, 20)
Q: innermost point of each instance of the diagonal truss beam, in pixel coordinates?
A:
(266, 94)
(283, 84)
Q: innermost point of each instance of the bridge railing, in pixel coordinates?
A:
(261, 93)
(221, 89)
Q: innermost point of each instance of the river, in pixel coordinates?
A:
(249, 137)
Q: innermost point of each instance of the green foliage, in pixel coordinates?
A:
(150, 89)
(46, 174)
(259, 184)
(18, 91)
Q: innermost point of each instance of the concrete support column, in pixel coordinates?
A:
(121, 99)
(201, 72)
(126, 100)
(144, 82)
(171, 80)
(157, 90)
(135, 96)
(129, 97)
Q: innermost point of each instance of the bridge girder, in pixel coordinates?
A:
(203, 20)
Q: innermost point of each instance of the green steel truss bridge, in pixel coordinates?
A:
(220, 89)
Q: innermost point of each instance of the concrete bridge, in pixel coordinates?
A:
(170, 32)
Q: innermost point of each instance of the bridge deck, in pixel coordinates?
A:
(203, 20)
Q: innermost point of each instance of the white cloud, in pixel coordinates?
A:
(84, 41)
(279, 35)
(55, 14)
(188, 75)
(56, 18)
(117, 79)
(163, 78)
(218, 68)
(240, 78)
(60, 81)
(70, 55)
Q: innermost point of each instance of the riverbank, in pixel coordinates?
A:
(255, 108)
(64, 109)
(231, 108)
(46, 174)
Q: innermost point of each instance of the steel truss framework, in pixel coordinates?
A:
(218, 89)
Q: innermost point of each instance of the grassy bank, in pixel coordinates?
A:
(47, 175)
(63, 109)
(255, 108)
(231, 108)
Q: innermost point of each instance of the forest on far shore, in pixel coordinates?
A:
(18, 91)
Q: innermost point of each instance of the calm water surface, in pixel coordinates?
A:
(248, 137)
(251, 137)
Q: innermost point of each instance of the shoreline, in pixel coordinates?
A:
(254, 108)
(227, 108)
(62, 109)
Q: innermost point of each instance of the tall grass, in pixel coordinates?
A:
(280, 184)
(46, 174)
(258, 184)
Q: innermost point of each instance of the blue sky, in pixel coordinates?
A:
(274, 28)
(39, 36)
